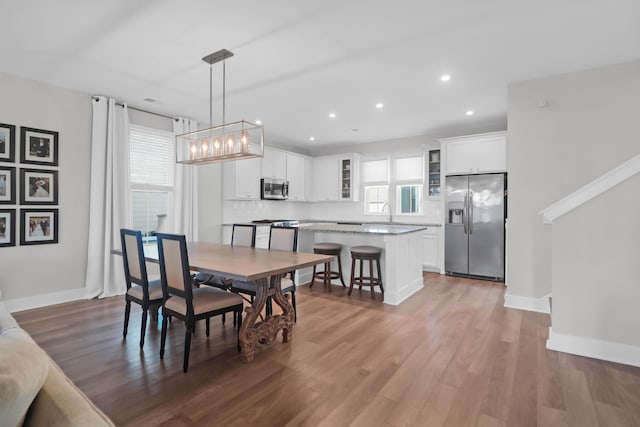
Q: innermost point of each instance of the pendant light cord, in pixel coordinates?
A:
(210, 95)
(224, 90)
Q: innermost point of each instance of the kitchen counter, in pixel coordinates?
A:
(324, 221)
(382, 228)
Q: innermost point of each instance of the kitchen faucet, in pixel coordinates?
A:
(390, 213)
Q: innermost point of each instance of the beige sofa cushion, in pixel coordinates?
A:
(61, 403)
(23, 369)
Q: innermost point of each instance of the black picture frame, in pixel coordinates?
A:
(7, 227)
(32, 230)
(7, 143)
(39, 146)
(38, 186)
(7, 185)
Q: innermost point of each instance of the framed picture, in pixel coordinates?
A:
(38, 226)
(7, 227)
(7, 143)
(39, 147)
(7, 185)
(38, 187)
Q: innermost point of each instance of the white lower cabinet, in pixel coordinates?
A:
(430, 249)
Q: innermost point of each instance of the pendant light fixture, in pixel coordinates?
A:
(228, 141)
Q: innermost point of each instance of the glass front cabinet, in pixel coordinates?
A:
(434, 173)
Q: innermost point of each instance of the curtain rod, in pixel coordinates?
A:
(120, 104)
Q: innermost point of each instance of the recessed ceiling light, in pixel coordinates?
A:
(258, 122)
(332, 115)
(151, 100)
(311, 138)
(379, 105)
(469, 113)
(445, 78)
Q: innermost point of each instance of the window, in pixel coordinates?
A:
(151, 163)
(409, 177)
(409, 199)
(375, 177)
(375, 198)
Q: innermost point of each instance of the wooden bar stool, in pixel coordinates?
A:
(327, 275)
(362, 254)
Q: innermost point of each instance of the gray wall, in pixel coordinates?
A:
(588, 126)
(596, 250)
(32, 270)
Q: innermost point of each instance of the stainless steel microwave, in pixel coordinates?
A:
(274, 189)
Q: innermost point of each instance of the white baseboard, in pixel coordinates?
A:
(27, 303)
(596, 349)
(539, 305)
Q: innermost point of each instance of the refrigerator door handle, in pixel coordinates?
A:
(470, 212)
(464, 214)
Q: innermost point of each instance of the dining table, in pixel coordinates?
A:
(265, 268)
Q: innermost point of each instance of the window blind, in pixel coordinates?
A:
(409, 168)
(375, 171)
(152, 156)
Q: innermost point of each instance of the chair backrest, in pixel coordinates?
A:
(283, 238)
(135, 269)
(243, 235)
(174, 267)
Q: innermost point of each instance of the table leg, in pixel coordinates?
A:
(266, 331)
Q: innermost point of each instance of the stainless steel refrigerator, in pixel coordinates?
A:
(474, 226)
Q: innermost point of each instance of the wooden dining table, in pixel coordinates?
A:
(264, 267)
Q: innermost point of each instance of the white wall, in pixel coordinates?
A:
(596, 249)
(26, 271)
(210, 203)
(588, 126)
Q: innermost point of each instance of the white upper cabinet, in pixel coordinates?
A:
(274, 163)
(296, 176)
(336, 178)
(241, 179)
(475, 153)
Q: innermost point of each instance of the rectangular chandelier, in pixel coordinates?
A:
(229, 141)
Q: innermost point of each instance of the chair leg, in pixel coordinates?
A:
(207, 321)
(238, 314)
(224, 318)
(327, 275)
(187, 347)
(361, 275)
(371, 279)
(127, 310)
(293, 303)
(380, 279)
(313, 277)
(340, 271)
(163, 336)
(353, 275)
(143, 326)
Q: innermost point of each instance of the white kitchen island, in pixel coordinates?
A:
(402, 256)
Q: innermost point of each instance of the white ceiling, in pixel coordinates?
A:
(297, 61)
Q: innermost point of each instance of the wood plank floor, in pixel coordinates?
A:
(451, 355)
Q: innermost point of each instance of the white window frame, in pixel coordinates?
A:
(399, 188)
(367, 202)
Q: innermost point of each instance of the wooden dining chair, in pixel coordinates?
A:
(184, 302)
(281, 238)
(139, 289)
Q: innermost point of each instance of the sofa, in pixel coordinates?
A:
(33, 389)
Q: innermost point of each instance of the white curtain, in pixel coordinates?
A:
(185, 206)
(109, 200)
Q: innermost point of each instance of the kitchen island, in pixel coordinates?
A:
(401, 260)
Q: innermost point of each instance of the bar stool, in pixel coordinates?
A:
(362, 254)
(327, 275)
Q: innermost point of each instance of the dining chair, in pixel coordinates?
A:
(241, 235)
(281, 238)
(139, 289)
(184, 302)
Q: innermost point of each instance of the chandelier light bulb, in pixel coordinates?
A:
(193, 151)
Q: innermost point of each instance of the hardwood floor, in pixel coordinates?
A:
(451, 355)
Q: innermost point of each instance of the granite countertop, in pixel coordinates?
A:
(321, 221)
(362, 228)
